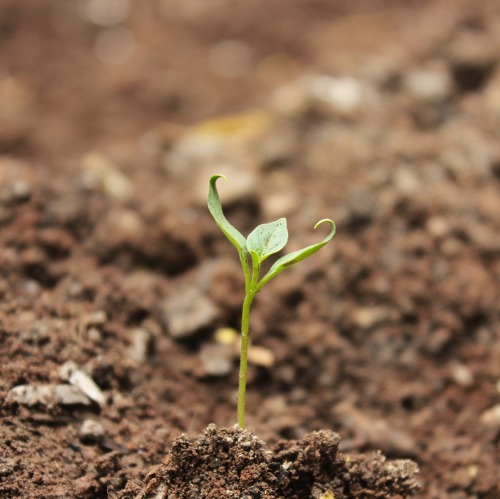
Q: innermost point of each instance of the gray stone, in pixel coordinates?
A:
(69, 371)
(187, 311)
(49, 395)
(217, 359)
(141, 343)
(91, 431)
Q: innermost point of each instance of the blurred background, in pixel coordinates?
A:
(99, 70)
(381, 114)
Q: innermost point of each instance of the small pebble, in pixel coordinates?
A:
(261, 356)
(226, 336)
(21, 190)
(48, 395)
(406, 182)
(462, 375)
(491, 417)
(428, 86)
(94, 335)
(100, 171)
(217, 359)
(91, 431)
(70, 395)
(187, 311)
(438, 226)
(344, 95)
(367, 317)
(473, 470)
(75, 376)
(141, 344)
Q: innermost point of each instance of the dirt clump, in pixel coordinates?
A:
(231, 462)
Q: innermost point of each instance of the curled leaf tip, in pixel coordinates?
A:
(215, 209)
(297, 256)
(217, 176)
(331, 222)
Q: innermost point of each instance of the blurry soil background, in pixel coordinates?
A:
(119, 297)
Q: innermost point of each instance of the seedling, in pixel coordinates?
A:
(264, 241)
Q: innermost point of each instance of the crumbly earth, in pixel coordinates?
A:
(231, 462)
(119, 297)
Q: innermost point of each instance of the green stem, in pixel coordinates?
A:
(246, 271)
(242, 388)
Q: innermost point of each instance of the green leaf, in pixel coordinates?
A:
(267, 239)
(215, 208)
(297, 256)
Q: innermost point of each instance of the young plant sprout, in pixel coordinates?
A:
(262, 242)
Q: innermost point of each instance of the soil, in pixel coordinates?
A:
(235, 463)
(120, 298)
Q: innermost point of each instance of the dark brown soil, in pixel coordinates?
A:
(117, 289)
(234, 463)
